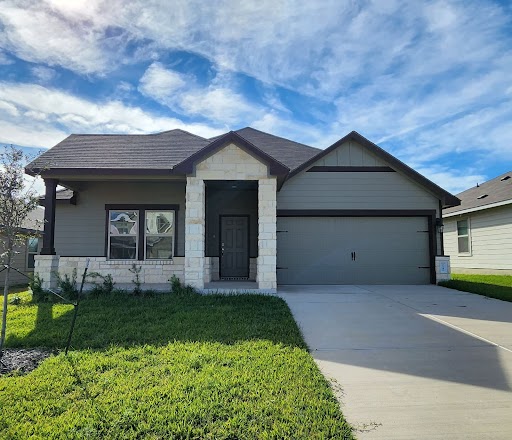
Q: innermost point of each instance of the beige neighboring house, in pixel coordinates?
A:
(478, 232)
(24, 257)
(246, 208)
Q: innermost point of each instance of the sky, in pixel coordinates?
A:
(430, 82)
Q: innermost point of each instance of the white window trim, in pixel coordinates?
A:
(470, 248)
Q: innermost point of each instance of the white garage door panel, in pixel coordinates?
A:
(318, 250)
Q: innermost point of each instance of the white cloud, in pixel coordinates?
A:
(8, 108)
(45, 108)
(181, 93)
(44, 74)
(453, 181)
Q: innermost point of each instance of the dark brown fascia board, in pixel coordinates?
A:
(57, 172)
(447, 198)
(187, 166)
(356, 213)
(350, 169)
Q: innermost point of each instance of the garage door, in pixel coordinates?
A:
(353, 250)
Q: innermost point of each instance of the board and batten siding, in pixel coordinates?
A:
(354, 190)
(80, 228)
(491, 241)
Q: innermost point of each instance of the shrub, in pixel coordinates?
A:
(67, 285)
(105, 288)
(178, 288)
(38, 293)
(137, 290)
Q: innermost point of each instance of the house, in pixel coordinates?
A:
(246, 205)
(24, 256)
(478, 232)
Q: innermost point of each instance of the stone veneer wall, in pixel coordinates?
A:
(153, 271)
(230, 163)
(266, 275)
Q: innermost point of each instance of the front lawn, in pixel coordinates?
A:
(219, 367)
(493, 286)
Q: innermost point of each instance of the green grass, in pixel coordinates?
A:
(493, 286)
(215, 367)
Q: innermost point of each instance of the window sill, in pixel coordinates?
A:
(141, 262)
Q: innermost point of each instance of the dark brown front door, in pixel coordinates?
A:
(234, 246)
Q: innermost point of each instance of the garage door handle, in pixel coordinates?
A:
(353, 254)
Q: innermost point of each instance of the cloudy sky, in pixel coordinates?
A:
(431, 82)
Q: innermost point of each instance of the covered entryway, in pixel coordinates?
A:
(234, 252)
(353, 250)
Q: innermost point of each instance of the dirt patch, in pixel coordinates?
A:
(23, 360)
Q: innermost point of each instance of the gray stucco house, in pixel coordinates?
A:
(478, 232)
(246, 205)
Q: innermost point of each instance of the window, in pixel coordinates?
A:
(159, 234)
(123, 235)
(463, 236)
(32, 250)
(136, 234)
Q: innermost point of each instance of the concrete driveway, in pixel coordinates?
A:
(413, 362)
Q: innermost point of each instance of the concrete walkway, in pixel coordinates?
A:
(413, 362)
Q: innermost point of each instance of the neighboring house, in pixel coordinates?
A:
(478, 232)
(24, 257)
(246, 205)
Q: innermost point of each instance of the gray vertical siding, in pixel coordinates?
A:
(80, 228)
(491, 240)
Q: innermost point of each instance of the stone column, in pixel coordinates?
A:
(194, 232)
(267, 236)
(47, 267)
(49, 216)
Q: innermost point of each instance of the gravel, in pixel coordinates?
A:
(22, 360)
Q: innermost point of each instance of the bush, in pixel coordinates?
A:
(38, 293)
(178, 288)
(67, 285)
(105, 288)
(137, 290)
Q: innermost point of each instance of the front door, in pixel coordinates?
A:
(234, 247)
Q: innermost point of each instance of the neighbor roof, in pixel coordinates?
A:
(494, 192)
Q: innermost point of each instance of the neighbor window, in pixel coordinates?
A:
(463, 236)
(32, 248)
(128, 239)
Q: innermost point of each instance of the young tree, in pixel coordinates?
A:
(17, 200)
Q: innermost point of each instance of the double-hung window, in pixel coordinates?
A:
(142, 233)
(32, 248)
(463, 237)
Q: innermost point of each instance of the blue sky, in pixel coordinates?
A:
(431, 82)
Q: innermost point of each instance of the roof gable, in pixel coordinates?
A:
(382, 155)
(188, 165)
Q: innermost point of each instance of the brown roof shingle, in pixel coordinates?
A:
(493, 191)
